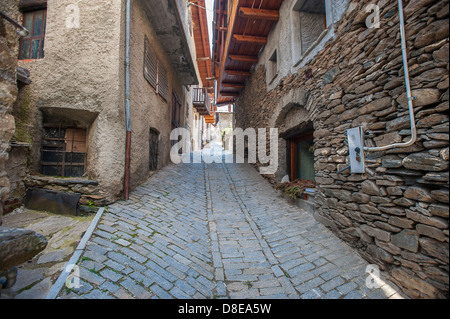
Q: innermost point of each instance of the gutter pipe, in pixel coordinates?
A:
(410, 98)
(127, 100)
(23, 31)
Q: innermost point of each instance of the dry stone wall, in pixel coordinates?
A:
(8, 93)
(396, 214)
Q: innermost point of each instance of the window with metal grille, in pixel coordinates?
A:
(155, 72)
(63, 152)
(176, 110)
(32, 46)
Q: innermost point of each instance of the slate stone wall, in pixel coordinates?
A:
(396, 214)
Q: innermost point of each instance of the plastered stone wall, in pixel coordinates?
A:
(8, 92)
(397, 214)
(149, 110)
(81, 78)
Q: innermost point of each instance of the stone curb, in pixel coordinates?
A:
(56, 288)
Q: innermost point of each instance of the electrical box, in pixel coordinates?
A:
(356, 150)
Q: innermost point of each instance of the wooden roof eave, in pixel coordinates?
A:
(231, 80)
(203, 51)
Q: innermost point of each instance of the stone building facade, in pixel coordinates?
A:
(315, 83)
(8, 93)
(77, 94)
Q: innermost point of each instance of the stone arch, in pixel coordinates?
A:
(293, 116)
(293, 111)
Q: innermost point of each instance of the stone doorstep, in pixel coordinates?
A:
(30, 179)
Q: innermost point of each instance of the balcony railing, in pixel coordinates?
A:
(201, 101)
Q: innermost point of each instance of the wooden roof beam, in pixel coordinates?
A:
(233, 85)
(233, 94)
(259, 14)
(244, 58)
(250, 39)
(238, 73)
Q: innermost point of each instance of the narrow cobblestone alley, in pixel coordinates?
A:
(216, 231)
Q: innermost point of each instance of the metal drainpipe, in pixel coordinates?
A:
(23, 31)
(127, 100)
(408, 90)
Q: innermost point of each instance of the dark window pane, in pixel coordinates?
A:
(38, 19)
(77, 158)
(305, 160)
(52, 157)
(35, 49)
(28, 22)
(51, 170)
(25, 54)
(73, 171)
(51, 132)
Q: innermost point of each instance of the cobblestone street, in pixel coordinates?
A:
(216, 231)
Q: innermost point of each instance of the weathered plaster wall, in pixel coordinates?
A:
(149, 110)
(8, 92)
(397, 214)
(286, 38)
(81, 78)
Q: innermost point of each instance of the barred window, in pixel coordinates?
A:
(176, 110)
(154, 72)
(63, 152)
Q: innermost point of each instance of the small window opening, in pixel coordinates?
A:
(272, 67)
(63, 152)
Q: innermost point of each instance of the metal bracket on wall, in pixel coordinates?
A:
(356, 150)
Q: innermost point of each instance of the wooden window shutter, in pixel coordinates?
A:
(150, 65)
(163, 82)
(154, 72)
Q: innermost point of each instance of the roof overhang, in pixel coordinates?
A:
(241, 31)
(167, 19)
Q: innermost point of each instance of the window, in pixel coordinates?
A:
(32, 46)
(153, 149)
(310, 20)
(302, 157)
(154, 72)
(176, 110)
(272, 67)
(63, 152)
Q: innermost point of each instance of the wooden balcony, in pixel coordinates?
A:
(201, 101)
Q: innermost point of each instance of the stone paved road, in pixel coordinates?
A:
(217, 231)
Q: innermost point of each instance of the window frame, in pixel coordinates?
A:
(272, 66)
(298, 55)
(176, 110)
(62, 148)
(307, 136)
(31, 38)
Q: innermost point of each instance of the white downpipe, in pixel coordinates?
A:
(408, 90)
